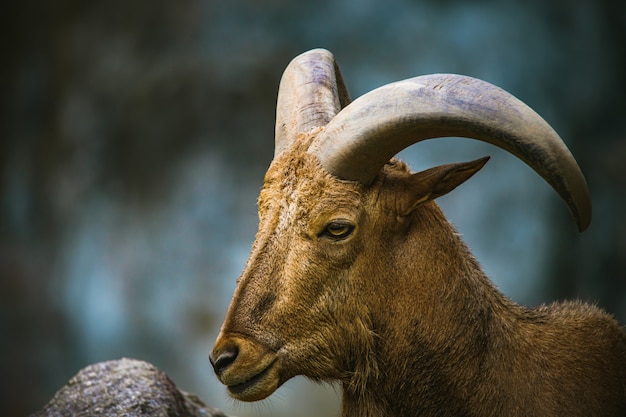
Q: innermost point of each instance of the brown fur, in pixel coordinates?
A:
(400, 312)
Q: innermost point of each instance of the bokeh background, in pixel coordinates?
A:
(135, 135)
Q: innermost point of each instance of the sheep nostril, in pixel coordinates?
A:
(223, 359)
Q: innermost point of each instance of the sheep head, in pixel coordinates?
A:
(338, 215)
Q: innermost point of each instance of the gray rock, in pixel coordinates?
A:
(125, 387)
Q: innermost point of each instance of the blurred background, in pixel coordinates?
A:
(134, 137)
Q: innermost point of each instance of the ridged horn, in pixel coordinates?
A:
(364, 135)
(310, 94)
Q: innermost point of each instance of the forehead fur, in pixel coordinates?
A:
(296, 181)
(297, 188)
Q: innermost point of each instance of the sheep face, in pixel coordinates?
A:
(291, 313)
(314, 287)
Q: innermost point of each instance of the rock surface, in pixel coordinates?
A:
(124, 387)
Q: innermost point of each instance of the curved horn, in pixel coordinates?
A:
(311, 93)
(367, 133)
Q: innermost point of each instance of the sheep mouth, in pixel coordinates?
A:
(257, 387)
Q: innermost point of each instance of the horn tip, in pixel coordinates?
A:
(583, 220)
(580, 207)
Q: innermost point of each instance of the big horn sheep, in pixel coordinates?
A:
(356, 276)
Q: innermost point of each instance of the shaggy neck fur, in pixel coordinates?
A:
(450, 344)
(441, 345)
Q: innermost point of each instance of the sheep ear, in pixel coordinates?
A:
(435, 182)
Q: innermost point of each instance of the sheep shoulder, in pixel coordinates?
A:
(569, 356)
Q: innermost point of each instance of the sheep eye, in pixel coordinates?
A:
(337, 230)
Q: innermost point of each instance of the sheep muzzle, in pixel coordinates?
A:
(248, 369)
